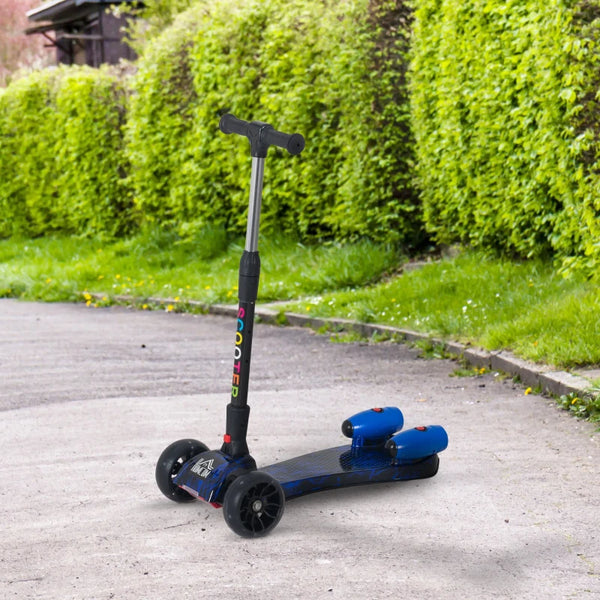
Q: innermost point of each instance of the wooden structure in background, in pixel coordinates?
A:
(83, 31)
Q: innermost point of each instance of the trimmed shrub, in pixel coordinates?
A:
(332, 72)
(505, 118)
(579, 242)
(502, 123)
(62, 155)
(90, 158)
(28, 188)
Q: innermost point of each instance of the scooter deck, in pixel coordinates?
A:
(343, 467)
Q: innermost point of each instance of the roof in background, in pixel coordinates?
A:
(60, 9)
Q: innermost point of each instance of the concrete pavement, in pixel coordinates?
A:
(90, 397)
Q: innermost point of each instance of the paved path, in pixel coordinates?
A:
(90, 397)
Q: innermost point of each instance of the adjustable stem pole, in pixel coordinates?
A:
(256, 185)
(238, 411)
(261, 136)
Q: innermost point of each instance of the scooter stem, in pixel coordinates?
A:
(261, 136)
(256, 185)
(238, 411)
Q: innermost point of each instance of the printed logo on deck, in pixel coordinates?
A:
(204, 467)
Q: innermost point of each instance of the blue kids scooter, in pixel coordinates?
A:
(253, 500)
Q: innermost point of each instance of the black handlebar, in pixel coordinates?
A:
(261, 135)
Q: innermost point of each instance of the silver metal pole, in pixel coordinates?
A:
(256, 185)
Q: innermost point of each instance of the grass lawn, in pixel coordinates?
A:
(496, 304)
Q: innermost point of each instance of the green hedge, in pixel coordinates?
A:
(333, 71)
(505, 116)
(499, 121)
(61, 151)
(27, 188)
(90, 158)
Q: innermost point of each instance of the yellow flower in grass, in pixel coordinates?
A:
(528, 391)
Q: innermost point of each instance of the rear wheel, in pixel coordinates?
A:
(253, 504)
(169, 464)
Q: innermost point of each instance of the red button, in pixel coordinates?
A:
(377, 409)
(227, 438)
(421, 428)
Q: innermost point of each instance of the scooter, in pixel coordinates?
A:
(253, 500)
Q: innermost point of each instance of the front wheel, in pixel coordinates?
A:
(253, 504)
(169, 464)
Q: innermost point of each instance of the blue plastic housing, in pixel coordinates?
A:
(373, 427)
(414, 444)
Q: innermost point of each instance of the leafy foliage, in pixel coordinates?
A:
(61, 152)
(497, 124)
(150, 18)
(28, 186)
(333, 72)
(583, 405)
(506, 119)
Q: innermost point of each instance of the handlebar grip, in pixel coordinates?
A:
(231, 124)
(293, 143)
(262, 135)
